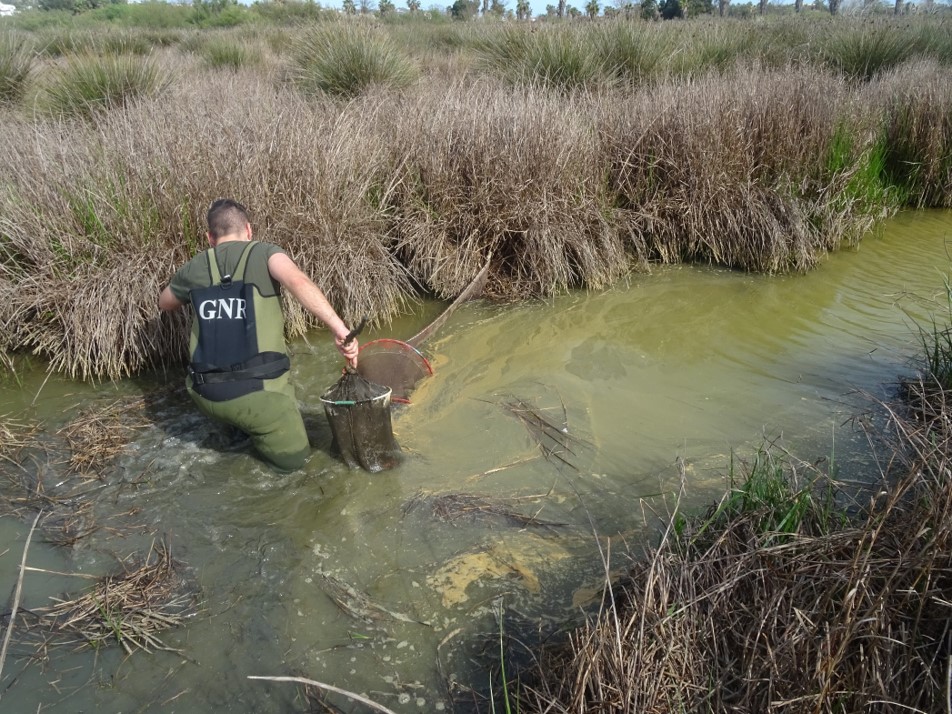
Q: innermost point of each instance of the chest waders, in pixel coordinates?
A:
(228, 359)
(239, 369)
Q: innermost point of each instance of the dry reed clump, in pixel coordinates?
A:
(734, 169)
(486, 169)
(89, 444)
(132, 608)
(453, 507)
(780, 606)
(15, 436)
(67, 518)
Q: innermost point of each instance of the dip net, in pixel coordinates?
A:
(358, 412)
(394, 364)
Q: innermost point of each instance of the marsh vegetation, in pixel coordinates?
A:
(392, 157)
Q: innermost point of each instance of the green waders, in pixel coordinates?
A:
(271, 418)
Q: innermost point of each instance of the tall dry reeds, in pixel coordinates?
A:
(916, 132)
(394, 191)
(485, 169)
(737, 169)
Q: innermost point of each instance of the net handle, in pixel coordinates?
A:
(356, 331)
(470, 291)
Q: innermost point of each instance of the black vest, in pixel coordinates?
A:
(226, 362)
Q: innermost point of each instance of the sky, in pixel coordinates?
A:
(538, 6)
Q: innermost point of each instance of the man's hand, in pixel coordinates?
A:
(349, 350)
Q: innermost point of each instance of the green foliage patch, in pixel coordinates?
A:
(227, 53)
(88, 84)
(562, 58)
(345, 59)
(16, 66)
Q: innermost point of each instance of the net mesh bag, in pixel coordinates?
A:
(358, 412)
(394, 364)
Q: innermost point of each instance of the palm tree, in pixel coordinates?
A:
(591, 9)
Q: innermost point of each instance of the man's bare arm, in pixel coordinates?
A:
(295, 281)
(168, 301)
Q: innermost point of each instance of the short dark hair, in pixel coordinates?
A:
(225, 217)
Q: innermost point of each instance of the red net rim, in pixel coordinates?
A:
(387, 341)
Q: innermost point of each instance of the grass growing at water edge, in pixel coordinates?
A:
(767, 492)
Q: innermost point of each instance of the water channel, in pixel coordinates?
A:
(672, 370)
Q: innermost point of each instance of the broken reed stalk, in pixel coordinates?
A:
(330, 688)
(358, 605)
(16, 595)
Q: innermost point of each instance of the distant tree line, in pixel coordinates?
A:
(471, 9)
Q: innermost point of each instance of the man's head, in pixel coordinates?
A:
(226, 217)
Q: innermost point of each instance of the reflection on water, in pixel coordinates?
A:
(356, 580)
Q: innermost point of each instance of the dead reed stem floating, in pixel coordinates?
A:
(358, 605)
(553, 439)
(15, 436)
(330, 688)
(102, 433)
(16, 596)
(450, 507)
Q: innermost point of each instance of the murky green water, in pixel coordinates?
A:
(683, 364)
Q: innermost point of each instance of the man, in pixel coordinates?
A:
(238, 372)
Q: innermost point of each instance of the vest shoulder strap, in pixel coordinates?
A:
(239, 273)
(213, 266)
(243, 260)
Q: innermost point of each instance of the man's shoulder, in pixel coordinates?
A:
(269, 248)
(194, 273)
